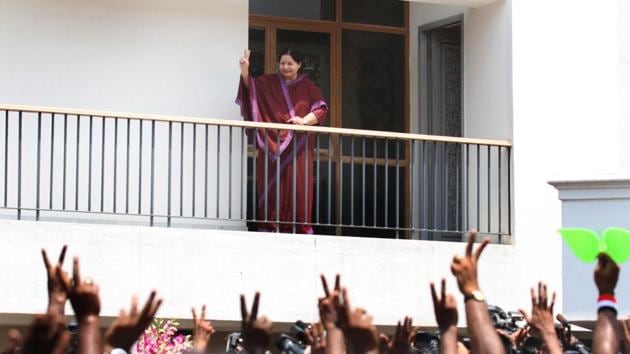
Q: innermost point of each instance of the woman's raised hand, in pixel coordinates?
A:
(244, 63)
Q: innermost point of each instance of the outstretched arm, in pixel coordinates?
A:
(255, 330)
(357, 327)
(128, 327)
(401, 342)
(57, 296)
(328, 315)
(83, 295)
(483, 336)
(244, 64)
(203, 331)
(446, 316)
(541, 320)
(606, 274)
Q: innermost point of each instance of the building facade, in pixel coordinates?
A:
(539, 91)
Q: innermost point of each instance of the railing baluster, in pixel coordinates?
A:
(254, 173)
(19, 189)
(152, 171)
(205, 188)
(278, 163)
(351, 180)
(127, 167)
(424, 188)
(76, 171)
(90, 166)
(445, 152)
(266, 181)
(39, 148)
(230, 174)
(115, 163)
(397, 188)
(65, 148)
(478, 187)
(509, 189)
(293, 183)
(436, 163)
(181, 170)
(140, 168)
(386, 197)
(374, 195)
(170, 157)
(330, 149)
(467, 199)
(52, 159)
(194, 166)
(102, 163)
(458, 223)
(317, 179)
(412, 148)
(306, 186)
(499, 150)
(340, 195)
(489, 202)
(218, 171)
(363, 181)
(6, 155)
(243, 193)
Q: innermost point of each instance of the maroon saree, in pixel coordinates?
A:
(270, 99)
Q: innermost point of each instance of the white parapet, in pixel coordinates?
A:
(390, 278)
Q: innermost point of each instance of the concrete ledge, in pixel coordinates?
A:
(390, 278)
(605, 187)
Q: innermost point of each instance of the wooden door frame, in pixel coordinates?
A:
(271, 24)
(423, 69)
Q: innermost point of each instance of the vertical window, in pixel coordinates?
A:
(375, 12)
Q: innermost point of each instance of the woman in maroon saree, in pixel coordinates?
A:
(287, 97)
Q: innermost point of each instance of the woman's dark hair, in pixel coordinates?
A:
(297, 56)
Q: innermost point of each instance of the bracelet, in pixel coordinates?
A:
(606, 301)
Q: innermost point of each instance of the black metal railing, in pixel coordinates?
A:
(68, 164)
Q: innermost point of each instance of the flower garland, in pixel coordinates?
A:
(160, 338)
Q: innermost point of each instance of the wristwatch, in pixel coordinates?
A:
(476, 295)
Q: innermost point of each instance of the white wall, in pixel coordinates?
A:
(488, 71)
(624, 78)
(390, 278)
(566, 108)
(487, 67)
(488, 113)
(141, 57)
(147, 56)
(569, 82)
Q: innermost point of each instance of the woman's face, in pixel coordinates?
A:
(288, 67)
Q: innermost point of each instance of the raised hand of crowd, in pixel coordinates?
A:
(341, 328)
(129, 326)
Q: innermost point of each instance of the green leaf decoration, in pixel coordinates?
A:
(586, 245)
(583, 242)
(617, 241)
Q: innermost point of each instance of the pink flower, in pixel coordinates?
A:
(160, 338)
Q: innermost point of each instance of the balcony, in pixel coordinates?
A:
(103, 167)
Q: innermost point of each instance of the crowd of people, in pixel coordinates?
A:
(342, 328)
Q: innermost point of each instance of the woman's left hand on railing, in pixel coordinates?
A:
(297, 121)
